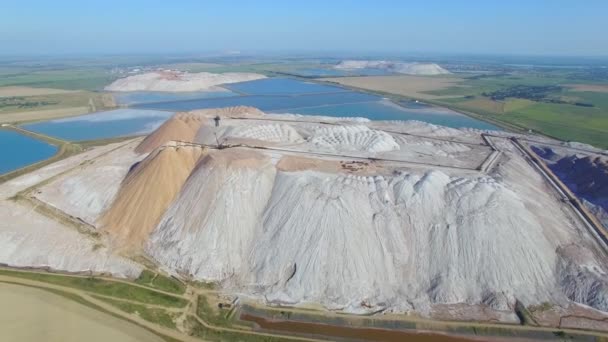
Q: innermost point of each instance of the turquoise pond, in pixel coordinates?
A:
(19, 150)
(384, 110)
(135, 97)
(330, 72)
(102, 125)
(148, 110)
(264, 102)
(281, 86)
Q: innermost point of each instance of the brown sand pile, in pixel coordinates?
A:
(180, 127)
(170, 75)
(297, 163)
(184, 126)
(146, 193)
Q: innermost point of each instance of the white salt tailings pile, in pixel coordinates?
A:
(210, 228)
(397, 67)
(176, 81)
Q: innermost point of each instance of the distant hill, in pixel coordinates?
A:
(397, 67)
(177, 81)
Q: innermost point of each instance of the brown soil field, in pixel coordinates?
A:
(598, 88)
(44, 114)
(38, 315)
(410, 86)
(29, 91)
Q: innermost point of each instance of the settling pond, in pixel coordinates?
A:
(102, 125)
(19, 150)
(148, 110)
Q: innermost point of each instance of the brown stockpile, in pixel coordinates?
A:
(180, 127)
(184, 126)
(297, 163)
(170, 75)
(147, 192)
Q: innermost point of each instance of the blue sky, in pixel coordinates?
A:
(557, 27)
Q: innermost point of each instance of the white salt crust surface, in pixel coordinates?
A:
(30, 239)
(90, 189)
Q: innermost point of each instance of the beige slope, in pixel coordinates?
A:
(180, 127)
(184, 126)
(146, 193)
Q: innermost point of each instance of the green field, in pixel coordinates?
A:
(15, 104)
(198, 330)
(158, 316)
(85, 82)
(161, 282)
(70, 79)
(218, 317)
(565, 121)
(103, 287)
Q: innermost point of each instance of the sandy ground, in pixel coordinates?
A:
(29, 91)
(599, 88)
(411, 86)
(182, 126)
(37, 315)
(44, 114)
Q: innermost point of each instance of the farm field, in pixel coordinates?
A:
(47, 312)
(52, 104)
(68, 78)
(550, 103)
(420, 87)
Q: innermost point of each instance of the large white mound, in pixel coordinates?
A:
(357, 216)
(208, 231)
(279, 133)
(397, 67)
(352, 138)
(409, 238)
(175, 81)
(350, 241)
